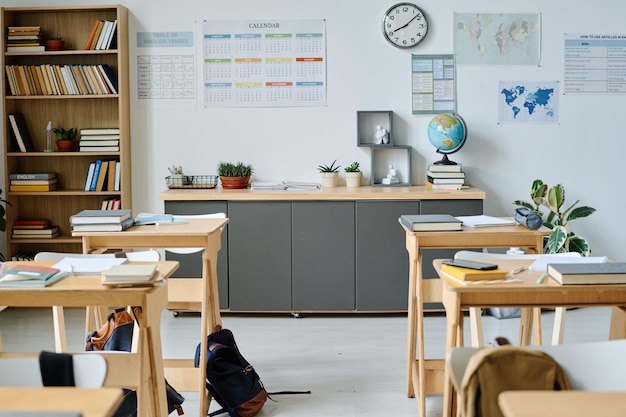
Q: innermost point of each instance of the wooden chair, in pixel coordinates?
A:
(90, 370)
(184, 294)
(590, 366)
(475, 322)
(95, 316)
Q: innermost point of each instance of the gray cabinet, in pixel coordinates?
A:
(323, 255)
(382, 263)
(259, 251)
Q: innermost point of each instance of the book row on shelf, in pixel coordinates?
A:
(103, 176)
(45, 181)
(34, 229)
(99, 140)
(445, 177)
(55, 80)
(24, 39)
(102, 35)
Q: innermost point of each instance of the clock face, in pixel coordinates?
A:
(404, 25)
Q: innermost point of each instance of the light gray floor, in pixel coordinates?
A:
(354, 365)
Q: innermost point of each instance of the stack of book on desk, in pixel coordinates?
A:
(588, 273)
(24, 275)
(102, 221)
(430, 222)
(445, 177)
(131, 275)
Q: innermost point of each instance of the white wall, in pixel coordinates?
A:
(583, 151)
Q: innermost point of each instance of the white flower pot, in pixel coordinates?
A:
(329, 179)
(353, 179)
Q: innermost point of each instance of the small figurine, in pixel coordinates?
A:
(382, 136)
(391, 176)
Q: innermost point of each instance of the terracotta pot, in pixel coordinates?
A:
(65, 145)
(54, 44)
(234, 182)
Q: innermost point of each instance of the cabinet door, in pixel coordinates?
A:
(259, 252)
(191, 264)
(323, 255)
(382, 263)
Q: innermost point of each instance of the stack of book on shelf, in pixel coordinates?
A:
(430, 222)
(36, 181)
(445, 177)
(26, 275)
(24, 39)
(100, 140)
(103, 176)
(102, 35)
(34, 229)
(102, 220)
(20, 134)
(54, 79)
(131, 275)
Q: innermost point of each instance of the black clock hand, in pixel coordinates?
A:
(406, 24)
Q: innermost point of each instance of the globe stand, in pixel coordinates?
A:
(444, 160)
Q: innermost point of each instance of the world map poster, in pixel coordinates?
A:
(497, 38)
(528, 102)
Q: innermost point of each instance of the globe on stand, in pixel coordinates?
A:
(447, 132)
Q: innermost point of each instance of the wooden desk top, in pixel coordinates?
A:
(562, 403)
(192, 227)
(100, 402)
(418, 192)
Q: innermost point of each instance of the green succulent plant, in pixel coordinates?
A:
(228, 169)
(329, 168)
(557, 219)
(63, 134)
(353, 167)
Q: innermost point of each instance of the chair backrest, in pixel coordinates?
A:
(590, 366)
(184, 251)
(89, 371)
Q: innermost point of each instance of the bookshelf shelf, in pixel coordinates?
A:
(81, 111)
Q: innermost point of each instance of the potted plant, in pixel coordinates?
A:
(562, 238)
(56, 43)
(330, 174)
(353, 175)
(65, 138)
(234, 176)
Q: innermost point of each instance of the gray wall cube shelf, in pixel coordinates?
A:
(366, 122)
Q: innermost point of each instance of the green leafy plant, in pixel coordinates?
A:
(56, 38)
(228, 169)
(63, 134)
(353, 167)
(3, 220)
(557, 219)
(329, 168)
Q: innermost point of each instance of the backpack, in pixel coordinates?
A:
(117, 334)
(230, 378)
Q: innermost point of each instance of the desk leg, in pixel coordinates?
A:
(412, 316)
(454, 333)
(151, 394)
(60, 337)
(210, 314)
(618, 323)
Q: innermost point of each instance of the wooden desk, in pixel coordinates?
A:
(100, 402)
(200, 233)
(426, 376)
(562, 403)
(526, 294)
(144, 369)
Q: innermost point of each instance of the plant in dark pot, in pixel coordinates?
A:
(56, 43)
(65, 138)
(233, 176)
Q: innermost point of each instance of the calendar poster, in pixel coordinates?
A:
(264, 63)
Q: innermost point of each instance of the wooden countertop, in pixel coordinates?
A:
(418, 192)
(562, 403)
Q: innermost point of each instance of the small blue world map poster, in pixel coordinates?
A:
(497, 38)
(528, 102)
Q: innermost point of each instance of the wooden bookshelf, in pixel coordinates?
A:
(81, 111)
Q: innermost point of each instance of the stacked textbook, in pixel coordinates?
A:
(131, 275)
(431, 222)
(34, 229)
(26, 275)
(445, 177)
(102, 221)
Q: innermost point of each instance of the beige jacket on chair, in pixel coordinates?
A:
(492, 371)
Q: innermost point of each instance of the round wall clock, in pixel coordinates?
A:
(404, 25)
